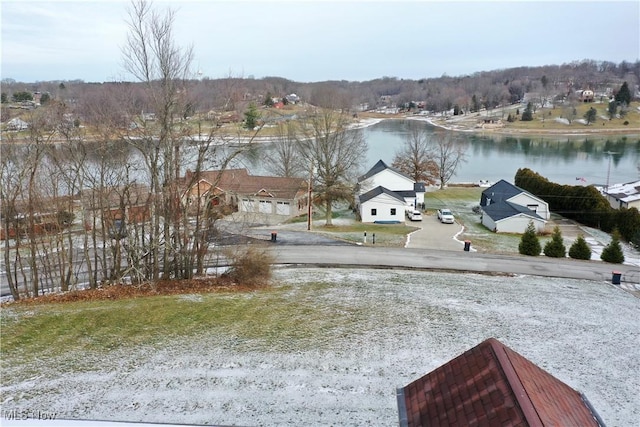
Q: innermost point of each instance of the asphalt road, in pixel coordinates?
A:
(445, 260)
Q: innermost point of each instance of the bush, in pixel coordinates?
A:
(529, 243)
(579, 249)
(555, 247)
(613, 251)
(249, 266)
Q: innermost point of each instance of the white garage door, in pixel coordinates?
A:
(283, 208)
(248, 205)
(265, 207)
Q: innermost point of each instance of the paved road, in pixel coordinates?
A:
(438, 259)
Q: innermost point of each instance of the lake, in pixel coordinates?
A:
(561, 159)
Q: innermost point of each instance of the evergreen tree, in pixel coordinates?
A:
(268, 100)
(613, 109)
(529, 243)
(613, 251)
(590, 115)
(4, 98)
(251, 116)
(624, 94)
(555, 247)
(527, 114)
(579, 249)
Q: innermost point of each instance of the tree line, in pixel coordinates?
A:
(87, 206)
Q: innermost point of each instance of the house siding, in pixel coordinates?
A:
(514, 224)
(388, 179)
(383, 205)
(526, 199)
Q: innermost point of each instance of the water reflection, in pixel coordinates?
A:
(561, 159)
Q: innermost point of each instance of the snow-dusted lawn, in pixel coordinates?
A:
(373, 331)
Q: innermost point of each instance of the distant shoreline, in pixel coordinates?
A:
(593, 131)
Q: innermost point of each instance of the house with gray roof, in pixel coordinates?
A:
(507, 208)
(384, 194)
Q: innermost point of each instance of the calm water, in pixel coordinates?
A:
(559, 159)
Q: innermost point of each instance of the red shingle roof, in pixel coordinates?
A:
(492, 385)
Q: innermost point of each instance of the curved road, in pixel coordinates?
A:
(436, 259)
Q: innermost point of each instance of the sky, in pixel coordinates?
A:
(309, 41)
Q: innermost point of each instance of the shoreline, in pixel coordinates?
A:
(631, 132)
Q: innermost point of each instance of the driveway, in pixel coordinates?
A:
(434, 235)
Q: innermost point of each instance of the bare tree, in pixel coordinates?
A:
(416, 157)
(448, 154)
(283, 155)
(336, 151)
(176, 241)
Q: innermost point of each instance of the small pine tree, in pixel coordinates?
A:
(555, 247)
(590, 115)
(529, 243)
(579, 249)
(527, 115)
(251, 117)
(624, 94)
(613, 251)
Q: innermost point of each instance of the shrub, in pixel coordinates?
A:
(613, 251)
(529, 243)
(249, 266)
(555, 247)
(579, 249)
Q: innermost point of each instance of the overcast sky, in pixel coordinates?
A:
(319, 40)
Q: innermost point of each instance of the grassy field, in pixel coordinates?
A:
(317, 347)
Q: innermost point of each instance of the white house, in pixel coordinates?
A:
(382, 182)
(507, 217)
(17, 124)
(623, 195)
(509, 209)
(382, 206)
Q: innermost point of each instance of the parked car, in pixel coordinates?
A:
(445, 216)
(414, 215)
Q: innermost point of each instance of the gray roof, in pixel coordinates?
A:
(378, 191)
(501, 210)
(419, 187)
(379, 167)
(501, 190)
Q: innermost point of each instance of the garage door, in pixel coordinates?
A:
(283, 208)
(265, 207)
(247, 205)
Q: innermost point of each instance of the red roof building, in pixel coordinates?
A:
(492, 385)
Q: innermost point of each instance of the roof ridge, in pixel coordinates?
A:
(519, 391)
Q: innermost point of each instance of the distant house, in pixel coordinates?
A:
(247, 193)
(509, 209)
(491, 122)
(586, 95)
(17, 124)
(292, 98)
(384, 184)
(492, 385)
(118, 206)
(623, 195)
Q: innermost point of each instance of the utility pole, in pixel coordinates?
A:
(309, 196)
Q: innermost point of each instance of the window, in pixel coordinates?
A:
(393, 211)
(533, 207)
(374, 212)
